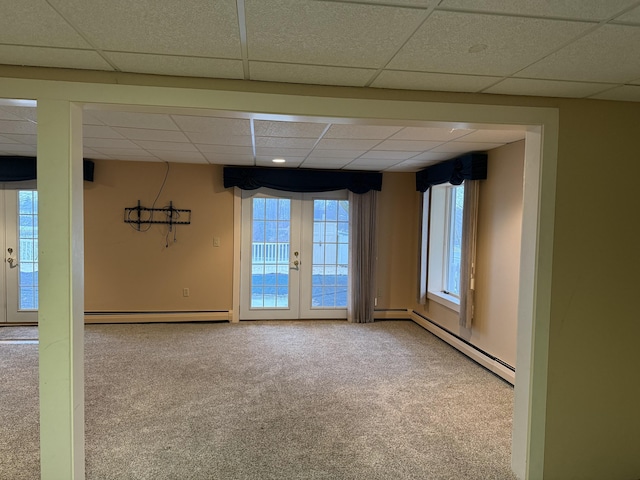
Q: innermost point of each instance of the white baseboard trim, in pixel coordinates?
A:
(152, 317)
(479, 357)
(392, 314)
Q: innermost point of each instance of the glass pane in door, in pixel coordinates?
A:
(330, 254)
(28, 250)
(271, 236)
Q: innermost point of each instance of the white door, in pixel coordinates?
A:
(294, 255)
(20, 289)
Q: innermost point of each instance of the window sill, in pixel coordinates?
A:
(449, 301)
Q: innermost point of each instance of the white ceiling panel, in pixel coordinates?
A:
(326, 33)
(109, 143)
(226, 149)
(177, 66)
(26, 113)
(5, 115)
(578, 9)
(134, 119)
(26, 139)
(312, 74)
(366, 132)
(229, 159)
(166, 146)
(179, 157)
(131, 158)
(330, 163)
(213, 125)
(546, 88)
(632, 16)
(431, 157)
(19, 127)
(88, 119)
(34, 22)
(17, 149)
(207, 28)
(268, 160)
(337, 154)
(346, 144)
(4, 140)
(432, 81)
(116, 152)
(285, 142)
(626, 93)
(384, 155)
(495, 136)
(99, 131)
(218, 139)
(269, 128)
(275, 152)
(464, 147)
(609, 54)
(153, 135)
(52, 57)
(407, 145)
(430, 133)
(511, 43)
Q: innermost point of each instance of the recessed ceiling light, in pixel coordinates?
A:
(278, 160)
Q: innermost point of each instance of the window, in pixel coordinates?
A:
(442, 214)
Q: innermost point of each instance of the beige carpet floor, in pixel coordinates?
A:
(268, 400)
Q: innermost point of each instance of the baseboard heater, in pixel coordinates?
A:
(158, 316)
(491, 363)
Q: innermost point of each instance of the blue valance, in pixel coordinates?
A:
(471, 166)
(301, 180)
(19, 169)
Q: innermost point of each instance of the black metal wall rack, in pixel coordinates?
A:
(140, 215)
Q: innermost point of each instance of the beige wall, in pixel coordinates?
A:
(126, 270)
(494, 327)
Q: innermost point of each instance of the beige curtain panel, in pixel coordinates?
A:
(362, 252)
(468, 254)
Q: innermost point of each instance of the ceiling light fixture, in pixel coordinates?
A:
(278, 160)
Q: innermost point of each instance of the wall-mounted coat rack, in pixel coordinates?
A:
(168, 216)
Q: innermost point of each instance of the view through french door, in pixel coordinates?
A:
(294, 255)
(19, 291)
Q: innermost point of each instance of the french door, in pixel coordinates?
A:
(294, 255)
(19, 292)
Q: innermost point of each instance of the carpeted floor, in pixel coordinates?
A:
(269, 400)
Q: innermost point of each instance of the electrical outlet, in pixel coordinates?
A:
(185, 292)
(216, 241)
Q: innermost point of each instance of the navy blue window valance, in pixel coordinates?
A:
(19, 169)
(301, 180)
(471, 166)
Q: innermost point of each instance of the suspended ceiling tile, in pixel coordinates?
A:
(632, 16)
(207, 28)
(431, 157)
(212, 139)
(325, 163)
(330, 153)
(178, 66)
(87, 153)
(166, 146)
(153, 135)
(313, 74)
(5, 140)
(115, 152)
(34, 22)
(216, 126)
(346, 144)
(274, 152)
(99, 131)
(136, 158)
(511, 43)
(402, 168)
(52, 57)
(432, 81)
(24, 113)
(430, 133)
(609, 54)
(283, 142)
(19, 127)
(268, 160)
(326, 33)
(5, 115)
(386, 155)
(225, 149)
(626, 93)
(109, 143)
(366, 132)
(495, 136)
(88, 119)
(179, 157)
(464, 147)
(578, 9)
(17, 149)
(546, 88)
(229, 159)
(26, 139)
(269, 128)
(375, 163)
(407, 145)
(134, 119)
